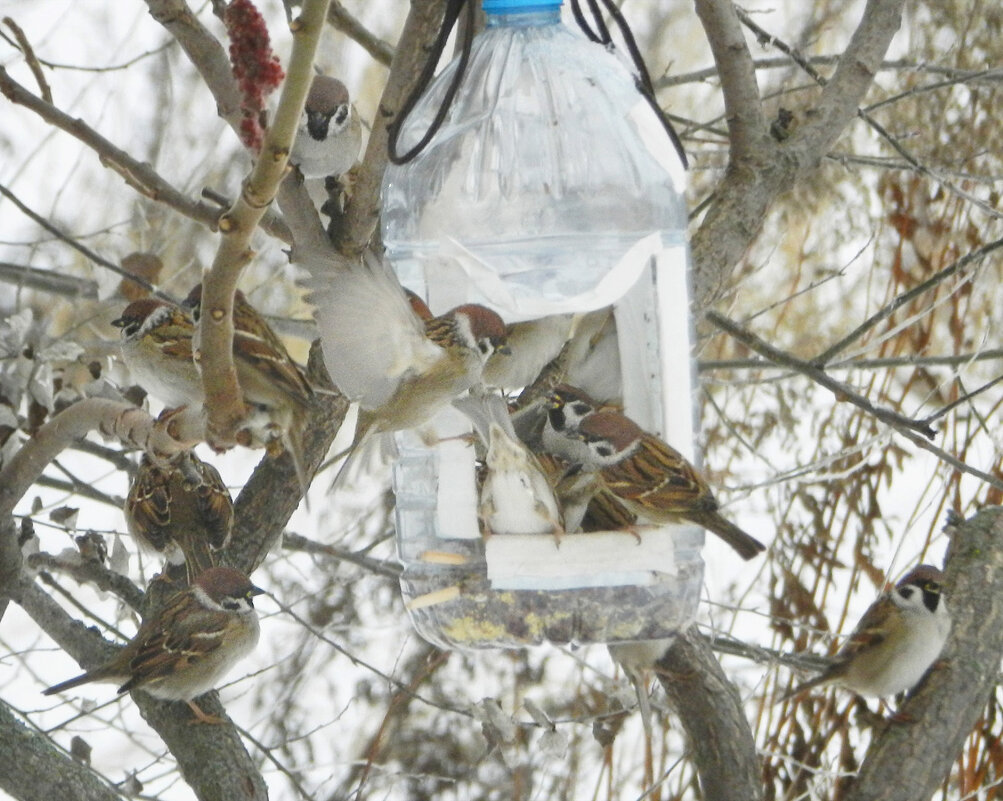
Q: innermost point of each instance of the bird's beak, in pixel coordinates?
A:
(503, 349)
(256, 591)
(120, 322)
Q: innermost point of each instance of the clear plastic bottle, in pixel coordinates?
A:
(549, 168)
(550, 188)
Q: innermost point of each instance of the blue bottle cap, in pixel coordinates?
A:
(519, 6)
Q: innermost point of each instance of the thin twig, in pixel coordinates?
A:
(339, 18)
(30, 58)
(90, 572)
(139, 175)
(969, 258)
(297, 542)
(712, 365)
(905, 426)
(69, 240)
(819, 376)
(48, 281)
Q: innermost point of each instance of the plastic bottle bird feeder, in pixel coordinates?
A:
(551, 189)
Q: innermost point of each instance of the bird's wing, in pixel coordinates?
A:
(658, 475)
(184, 631)
(372, 338)
(871, 631)
(274, 364)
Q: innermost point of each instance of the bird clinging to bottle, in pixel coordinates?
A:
(188, 645)
(653, 480)
(896, 641)
(400, 369)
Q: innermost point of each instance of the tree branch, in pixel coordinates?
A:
(139, 175)
(767, 169)
(362, 211)
(32, 767)
(905, 426)
(339, 19)
(911, 760)
(167, 436)
(223, 398)
(710, 709)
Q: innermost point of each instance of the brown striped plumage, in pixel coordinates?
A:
(654, 481)
(268, 375)
(182, 510)
(187, 645)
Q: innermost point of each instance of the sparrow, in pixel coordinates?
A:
(329, 133)
(381, 354)
(268, 376)
(896, 641)
(516, 496)
(180, 509)
(157, 349)
(186, 647)
(653, 480)
(566, 407)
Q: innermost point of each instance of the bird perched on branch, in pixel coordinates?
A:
(181, 509)
(896, 641)
(267, 374)
(329, 133)
(188, 645)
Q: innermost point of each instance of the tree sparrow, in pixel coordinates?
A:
(157, 349)
(182, 510)
(896, 641)
(268, 376)
(399, 368)
(329, 134)
(516, 496)
(653, 480)
(566, 407)
(186, 647)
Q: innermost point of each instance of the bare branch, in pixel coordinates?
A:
(139, 175)
(711, 712)
(743, 109)
(32, 767)
(888, 310)
(205, 52)
(904, 425)
(750, 187)
(840, 390)
(339, 18)
(132, 425)
(363, 209)
(48, 281)
(69, 240)
(223, 397)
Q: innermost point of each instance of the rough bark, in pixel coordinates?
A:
(709, 706)
(759, 168)
(31, 767)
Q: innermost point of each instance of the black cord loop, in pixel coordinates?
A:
(600, 35)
